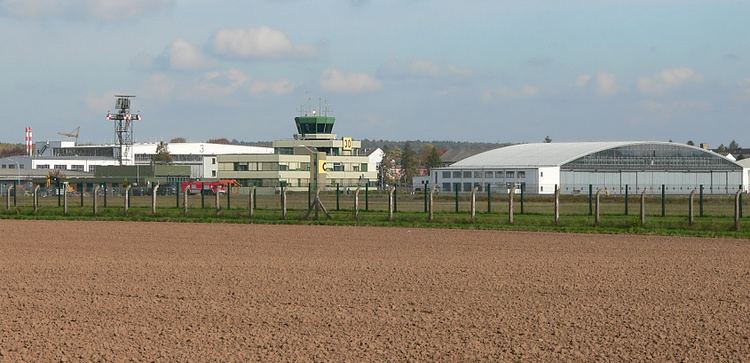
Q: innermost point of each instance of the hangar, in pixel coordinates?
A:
(637, 165)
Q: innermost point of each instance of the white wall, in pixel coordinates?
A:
(548, 178)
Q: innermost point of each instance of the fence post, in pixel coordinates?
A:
(177, 194)
(184, 200)
(127, 198)
(523, 192)
(663, 201)
(255, 198)
(489, 198)
(57, 191)
(94, 200)
(597, 216)
(591, 196)
(105, 195)
(309, 194)
(251, 203)
(473, 208)
(217, 201)
(15, 193)
(283, 203)
(367, 196)
(7, 198)
(456, 197)
(737, 210)
(356, 204)
(390, 202)
(557, 204)
(511, 191)
(425, 196)
(626, 199)
(65, 198)
(81, 189)
(701, 201)
(153, 198)
(338, 206)
(431, 215)
(203, 196)
(229, 197)
(643, 207)
(395, 199)
(691, 218)
(36, 199)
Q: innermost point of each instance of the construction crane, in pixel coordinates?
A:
(73, 134)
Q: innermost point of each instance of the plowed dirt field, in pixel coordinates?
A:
(196, 292)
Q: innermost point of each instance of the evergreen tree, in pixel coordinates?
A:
(162, 155)
(547, 139)
(408, 163)
(722, 149)
(691, 143)
(734, 148)
(433, 159)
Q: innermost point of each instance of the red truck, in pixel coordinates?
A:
(221, 186)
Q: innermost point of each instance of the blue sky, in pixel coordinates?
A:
(473, 70)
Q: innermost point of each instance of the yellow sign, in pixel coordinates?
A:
(322, 166)
(347, 144)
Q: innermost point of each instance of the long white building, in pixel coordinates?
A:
(67, 156)
(636, 165)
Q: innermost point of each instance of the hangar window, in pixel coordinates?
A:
(488, 174)
(446, 174)
(521, 175)
(456, 174)
(467, 187)
(467, 174)
(499, 174)
(510, 174)
(446, 187)
(478, 174)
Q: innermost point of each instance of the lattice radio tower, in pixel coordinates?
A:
(123, 121)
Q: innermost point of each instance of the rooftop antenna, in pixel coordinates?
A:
(123, 121)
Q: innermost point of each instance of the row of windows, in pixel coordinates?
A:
(293, 166)
(12, 166)
(500, 174)
(467, 187)
(92, 168)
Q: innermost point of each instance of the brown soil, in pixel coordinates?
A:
(176, 292)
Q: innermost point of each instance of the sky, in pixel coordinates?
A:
(471, 70)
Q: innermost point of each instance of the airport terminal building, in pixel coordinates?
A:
(537, 168)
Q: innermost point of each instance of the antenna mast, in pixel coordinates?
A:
(123, 121)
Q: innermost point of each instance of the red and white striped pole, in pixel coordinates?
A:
(29, 141)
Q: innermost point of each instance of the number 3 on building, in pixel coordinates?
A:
(347, 143)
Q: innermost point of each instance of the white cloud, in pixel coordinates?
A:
(218, 85)
(667, 80)
(334, 80)
(604, 84)
(421, 69)
(583, 81)
(258, 43)
(502, 93)
(280, 87)
(666, 111)
(106, 10)
(182, 56)
(159, 87)
(101, 102)
(745, 86)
